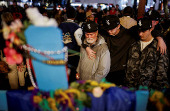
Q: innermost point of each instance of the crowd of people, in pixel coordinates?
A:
(112, 45)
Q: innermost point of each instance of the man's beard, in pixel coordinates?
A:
(90, 40)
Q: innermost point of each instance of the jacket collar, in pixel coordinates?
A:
(100, 40)
(70, 20)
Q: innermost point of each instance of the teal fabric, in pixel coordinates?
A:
(141, 100)
(49, 77)
(3, 101)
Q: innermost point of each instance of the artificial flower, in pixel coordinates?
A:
(51, 22)
(17, 41)
(12, 57)
(38, 19)
(33, 13)
(14, 39)
(11, 35)
(94, 83)
(8, 44)
(16, 25)
(97, 92)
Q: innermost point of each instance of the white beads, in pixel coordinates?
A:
(30, 74)
(58, 52)
(35, 50)
(38, 51)
(45, 52)
(64, 50)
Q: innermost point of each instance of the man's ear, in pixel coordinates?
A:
(96, 32)
(156, 22)
(151, 29)
(118, 27)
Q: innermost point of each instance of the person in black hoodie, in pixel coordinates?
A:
(119, 41)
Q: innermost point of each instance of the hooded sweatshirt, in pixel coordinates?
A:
(99, 67)
(118, 46)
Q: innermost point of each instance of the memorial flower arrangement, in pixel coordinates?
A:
(16, 38)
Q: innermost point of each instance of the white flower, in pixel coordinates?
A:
(33, 13)
(97, 92)
(38, 20)
(16, 25)
(51, 22)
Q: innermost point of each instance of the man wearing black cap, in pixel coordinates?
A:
(72, 34)
(157, 30)
(119, 41)
(155, 17)
(99, 67)
(146, 66)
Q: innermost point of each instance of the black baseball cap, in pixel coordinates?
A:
(90, 26)
(110, 22)
(153, 15)
(144, 24)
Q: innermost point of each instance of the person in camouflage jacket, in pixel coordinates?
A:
(146, 66)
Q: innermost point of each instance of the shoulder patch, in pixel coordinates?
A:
(67, 38)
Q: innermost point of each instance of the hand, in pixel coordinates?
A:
(117, 13)
(90, 53)
(161, 45)
(77, 76)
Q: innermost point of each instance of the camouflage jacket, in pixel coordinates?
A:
(147, 67)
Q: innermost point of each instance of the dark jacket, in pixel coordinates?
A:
(157, 32)
(147, 67)
(118, 46)
(69, 29)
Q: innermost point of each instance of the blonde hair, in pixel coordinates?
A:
(7, 17)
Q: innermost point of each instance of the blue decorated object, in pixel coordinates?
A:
(49, 77)
(3, 101)
(20, 100)
(141, 100)
(113, 99)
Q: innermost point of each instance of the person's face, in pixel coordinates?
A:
(154, 23)
(78, 8)
(145, 36)
(45, 14)
(107, 13)
(91, 37)
(151, 8)
(113, 8)
(114, 31)
(14, 4)
(117, 6)
(25, 6)
(91, 17)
